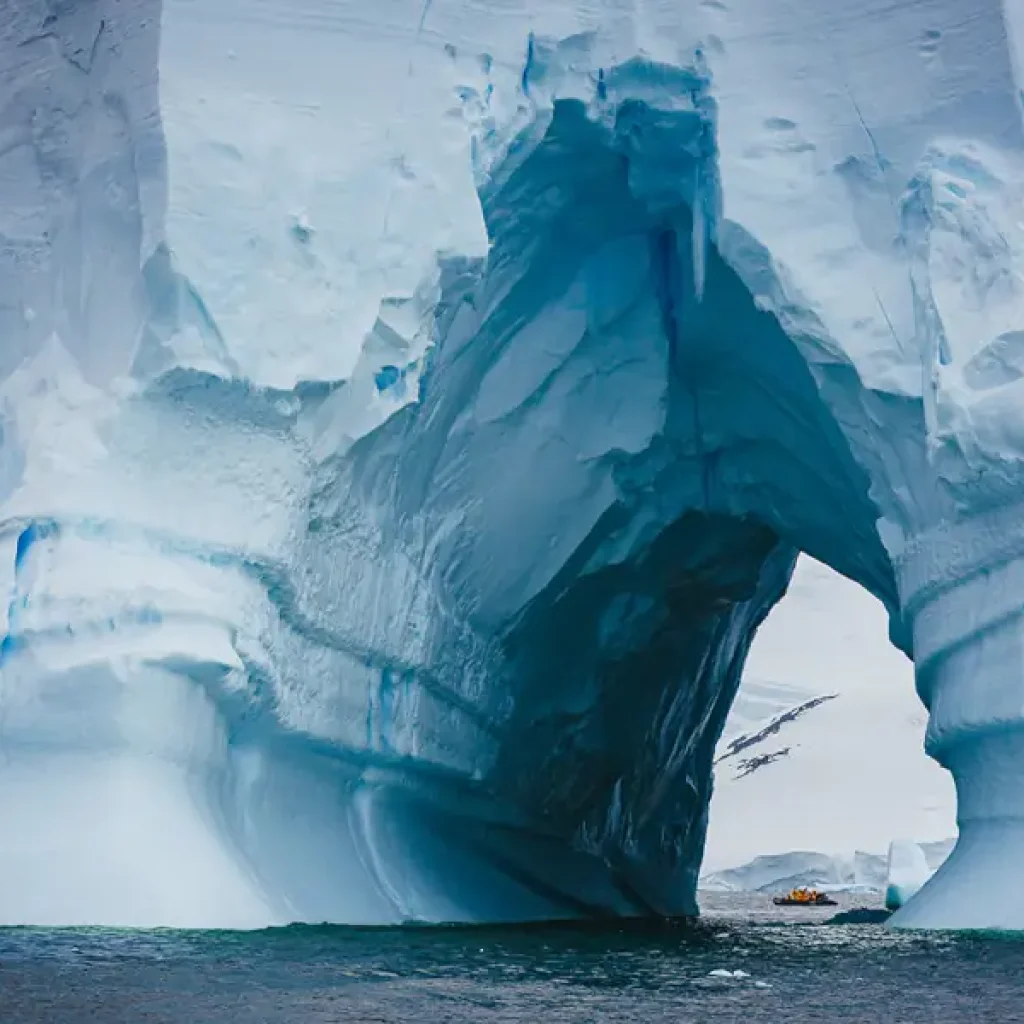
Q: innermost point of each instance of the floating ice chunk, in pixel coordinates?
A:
(907, 872)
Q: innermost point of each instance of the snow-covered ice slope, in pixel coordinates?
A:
(852, 872)
(822, 755)
(410, 410)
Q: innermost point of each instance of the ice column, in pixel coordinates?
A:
(963, 591)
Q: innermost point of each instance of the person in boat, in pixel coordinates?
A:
(805, 897)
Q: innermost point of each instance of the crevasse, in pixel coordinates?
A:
(410, 413)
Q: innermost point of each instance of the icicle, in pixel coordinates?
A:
(699, 236)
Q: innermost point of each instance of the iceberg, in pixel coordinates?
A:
(409, 412)
(900, 873)
(907, 870)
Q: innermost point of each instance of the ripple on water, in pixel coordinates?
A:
(741, 963)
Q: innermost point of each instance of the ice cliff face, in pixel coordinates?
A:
(409, 416)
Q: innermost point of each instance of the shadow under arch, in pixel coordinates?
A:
(615, 458)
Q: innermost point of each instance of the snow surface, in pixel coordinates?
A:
(410, 411)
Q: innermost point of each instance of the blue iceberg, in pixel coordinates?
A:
(409, 414)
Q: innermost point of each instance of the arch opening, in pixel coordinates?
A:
(647, 450)
(822, 764)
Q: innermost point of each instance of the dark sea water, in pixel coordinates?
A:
(800, 968)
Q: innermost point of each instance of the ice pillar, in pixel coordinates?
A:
(963, 591)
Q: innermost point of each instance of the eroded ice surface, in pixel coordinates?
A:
(410, 411)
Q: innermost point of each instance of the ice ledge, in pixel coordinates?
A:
(939, 558)
(961, 587)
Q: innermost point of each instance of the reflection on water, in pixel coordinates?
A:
(792, 964)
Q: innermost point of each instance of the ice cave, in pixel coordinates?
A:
(409, 411)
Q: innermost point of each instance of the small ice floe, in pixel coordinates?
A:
(907, 872)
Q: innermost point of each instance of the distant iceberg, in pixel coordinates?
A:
(858, 871)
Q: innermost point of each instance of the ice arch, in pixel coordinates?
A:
(353, 582)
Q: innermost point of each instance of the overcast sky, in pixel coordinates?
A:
(856, 775)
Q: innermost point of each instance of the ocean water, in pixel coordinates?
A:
(800, 967)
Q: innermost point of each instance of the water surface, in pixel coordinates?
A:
(800, 968)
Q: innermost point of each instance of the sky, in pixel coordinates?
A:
(856, 775)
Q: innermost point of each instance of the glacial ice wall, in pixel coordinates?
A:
(409, 415)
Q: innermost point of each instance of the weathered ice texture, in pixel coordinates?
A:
(408, 416)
